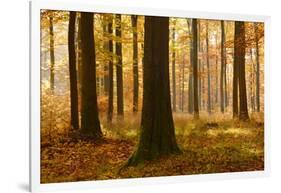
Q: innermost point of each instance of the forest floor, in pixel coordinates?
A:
(209, 146)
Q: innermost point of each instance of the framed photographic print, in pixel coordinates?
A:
(126, 95)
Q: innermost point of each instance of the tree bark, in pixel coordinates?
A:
(90, 124)
(258, 68)
(119, 67)
(243, 114)
(174, 67)
(238, 52)
(106, 61)
(157, 136)
(134, 20)
(52, 54)
(190, 77)
(72, 71)
(222, 68)
(195, 68)
(209, 105)
(110, 72)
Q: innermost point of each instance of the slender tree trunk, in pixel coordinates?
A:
(174, 66)
(209, 105)
(79, 58)
(134, 19)
(52, 54)
(217, 75)
(222, 68)
(199, 67)
(253, 72)
(237, 60)
(225, 81)
(258, 68)
(106, 61)
(182, 85)
(110, 72)
(157, 136)
(72, 71)
(243, 114)
(119, 67)
(195, 68)
(190, 78)
(90, 124)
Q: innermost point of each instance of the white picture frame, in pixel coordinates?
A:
(36, 6)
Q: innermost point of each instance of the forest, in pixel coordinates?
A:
(129, 96)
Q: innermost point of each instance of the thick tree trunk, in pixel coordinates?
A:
(174, 67)
(243, 114)
(72, 71)
(90, 124)
(52, 54)
(195, 68)
(209, 105)
(258, 68)
(157, 136)
(134, 19)
(222, 68)
(110, 73)
(119, 67)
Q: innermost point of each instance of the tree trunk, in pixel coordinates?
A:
(190, 78)
(110, 73)
(119, 67)
(258, 68)
(157, 136)
(238, 57)
(243, 114)
(134, 19)
(174, 67)
(106, 61)
(52, 55)
(222, 68)
(209, 105)
(90, 124)
(195, 68)
(72, 71)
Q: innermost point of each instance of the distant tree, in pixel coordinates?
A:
(222, 68)
(190, 77)
(238, 57)
(209, 105)
(105, 48)
(90, 124)
(110, 72)
(258, 67)
(119, 66)
(174, 67)
(72, 71)
(52, 53)
(195, 68)
(157, 135)
(134, 20)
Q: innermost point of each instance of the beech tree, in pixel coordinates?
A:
(134, 20)
(72, 71)
(157, 136)
(195, 68)
(119, 66)
(90, 124)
